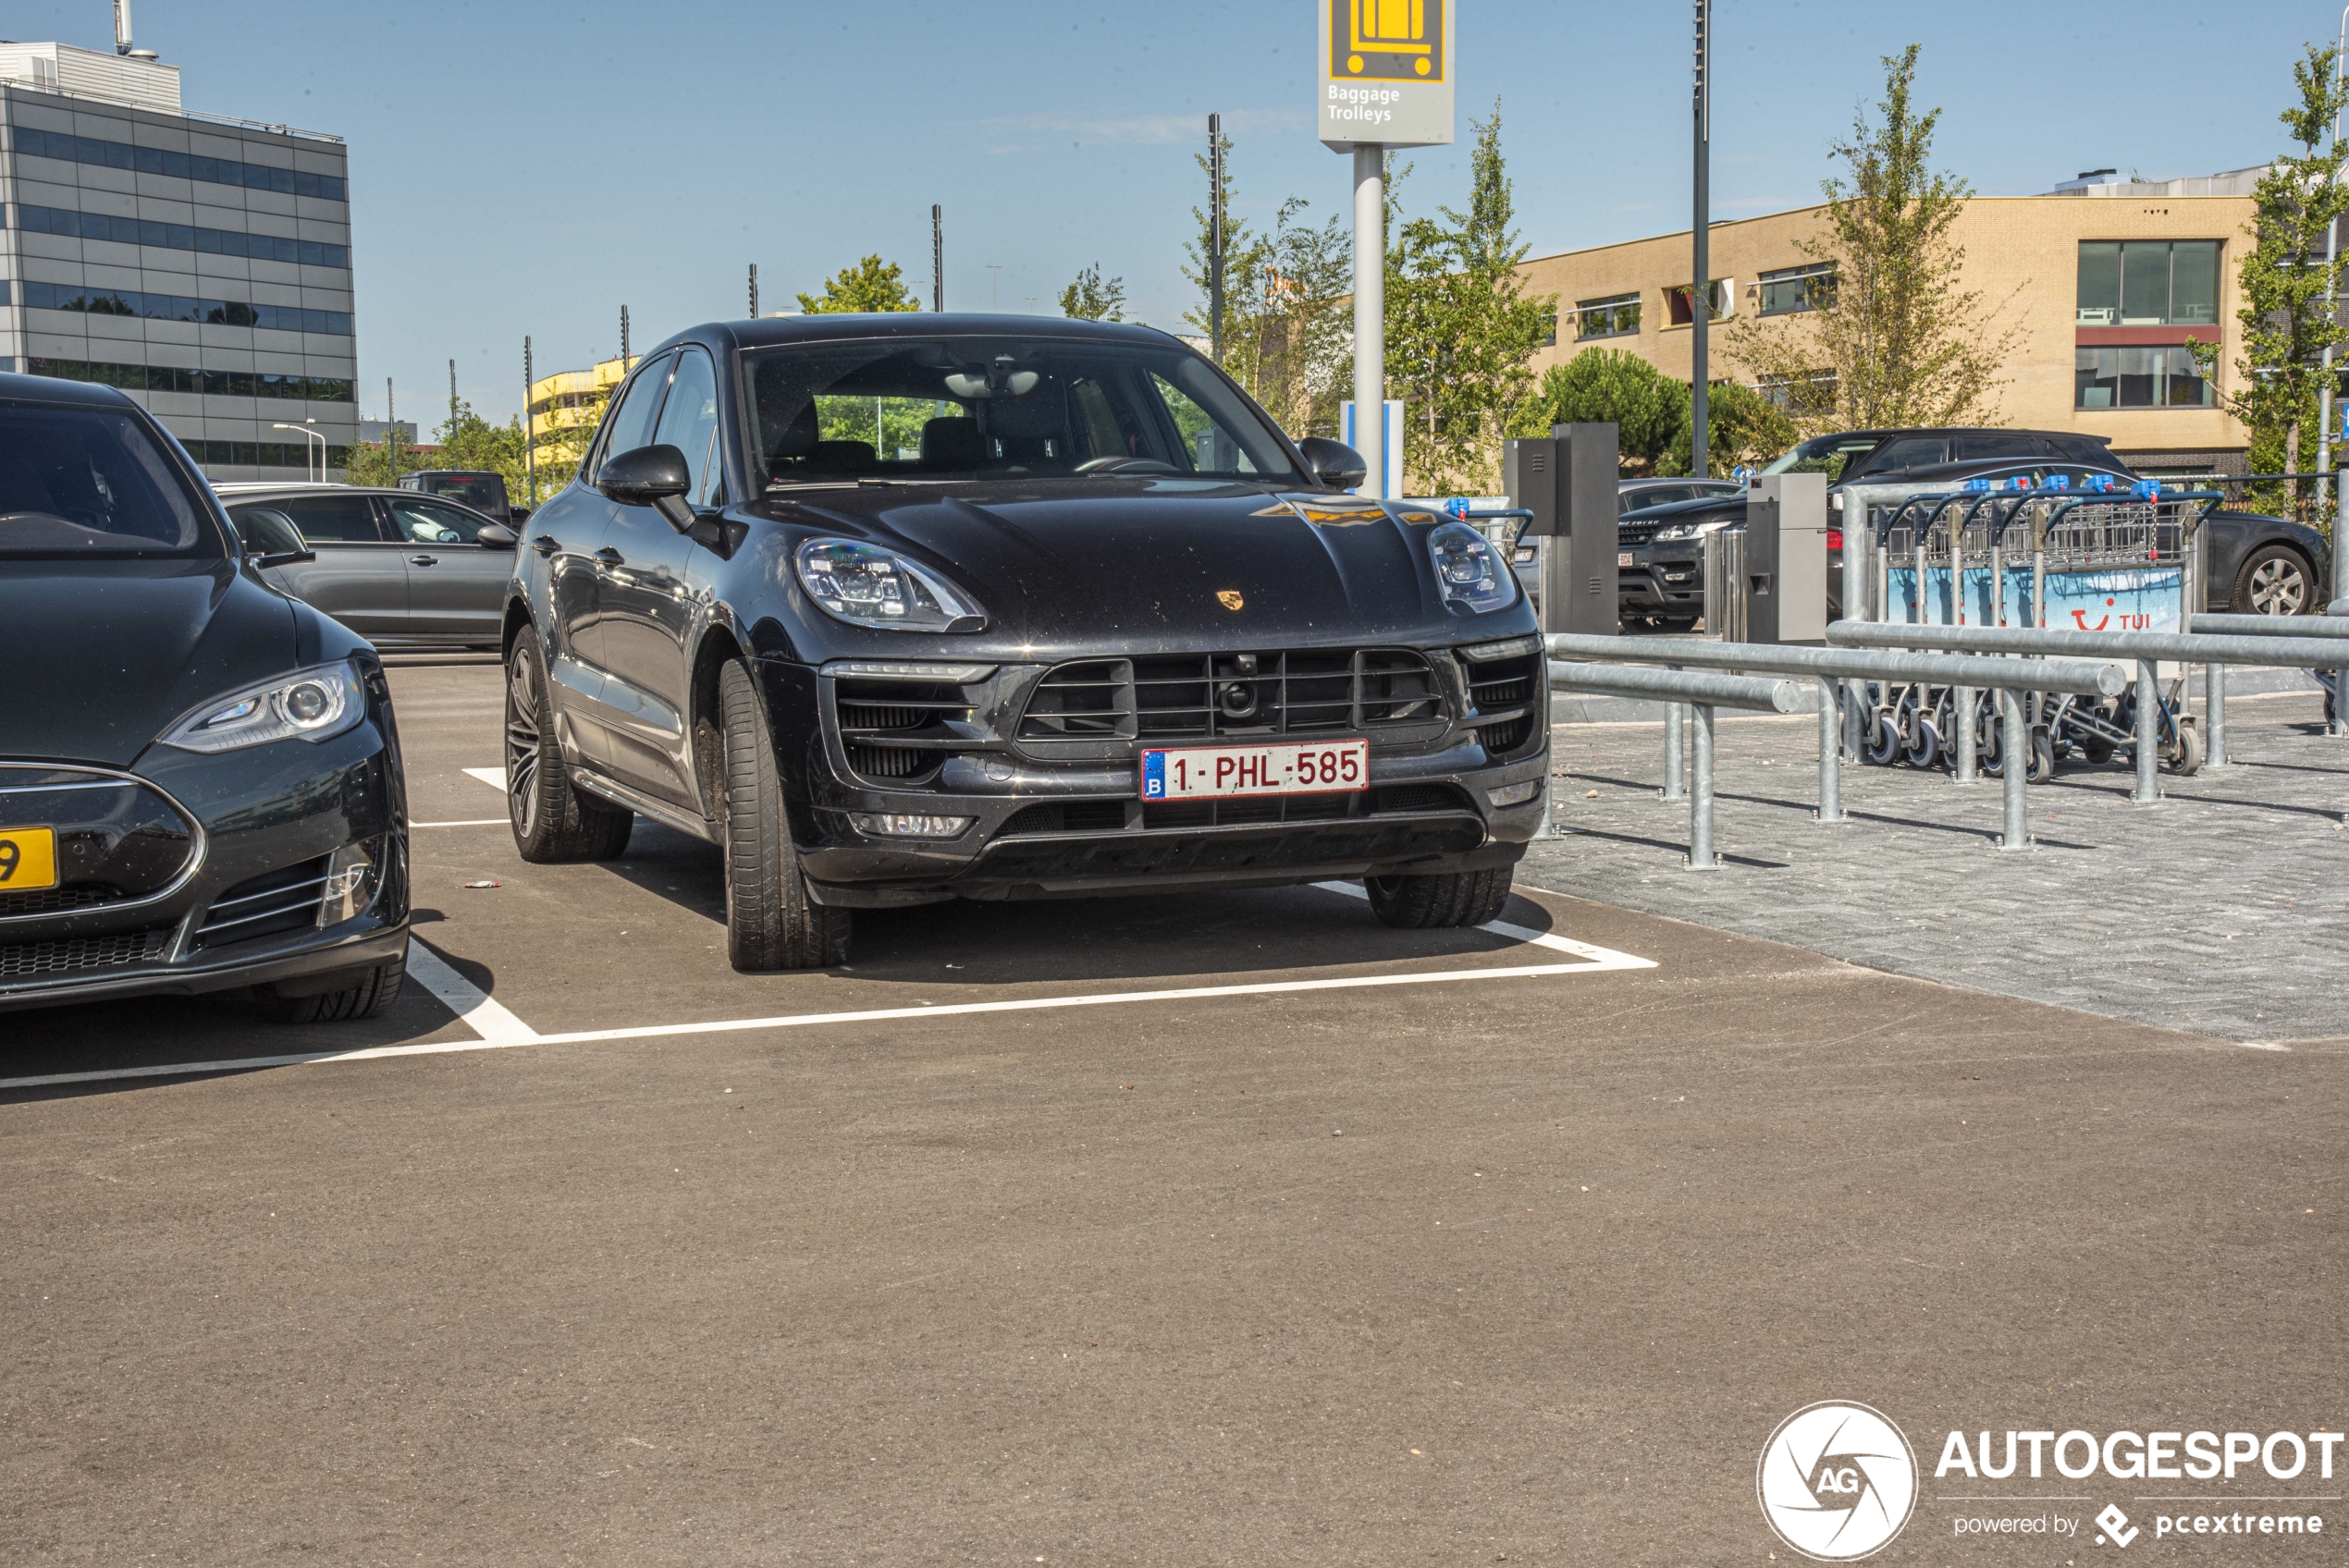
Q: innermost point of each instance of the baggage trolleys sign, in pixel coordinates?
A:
(1387, 73)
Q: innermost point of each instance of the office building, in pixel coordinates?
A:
(2106, 280)
(200, 263)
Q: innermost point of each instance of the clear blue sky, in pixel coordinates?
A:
(520, 168)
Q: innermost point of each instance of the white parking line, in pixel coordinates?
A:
(498, 1029)
(468, 822)
(493, 777)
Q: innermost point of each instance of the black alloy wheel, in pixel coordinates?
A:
(2275, 581)
(375, 989)
(1455, 898)
(771, 922)
(554, 821)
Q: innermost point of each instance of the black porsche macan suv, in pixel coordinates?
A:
(897, 609)
(200, 781)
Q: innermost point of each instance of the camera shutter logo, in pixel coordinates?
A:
(1836, 1481)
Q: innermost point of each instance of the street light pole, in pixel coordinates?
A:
(1370, 313)
(530, 422)
(1215, 237)
(308, 436)
(1701, 285)
(391, 432)
(936, 259)
(754, 290)
(2333, 250)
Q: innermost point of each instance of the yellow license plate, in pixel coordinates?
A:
(28, 859)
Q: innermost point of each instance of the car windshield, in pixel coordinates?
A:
(87, 482)
(1002, 407)
(1824, 454)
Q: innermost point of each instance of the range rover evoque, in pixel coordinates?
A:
(898, 609)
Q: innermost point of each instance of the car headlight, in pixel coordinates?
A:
(311, 705)
(870, 586)
(1690, 529)
(1471, 572)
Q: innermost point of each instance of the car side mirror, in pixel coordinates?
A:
(264, 560)
(1333, 462)
(496, 535)
(651, 476)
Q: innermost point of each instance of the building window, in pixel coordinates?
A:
(154, 160)
(207, 382)
(1790, 290)
(2158, 377)
(1811, 392)
(2149, 283)
(263, 454)
(1550, 332)
(1680, 313)
(181, 307)
(1617, 315)
(181, 236)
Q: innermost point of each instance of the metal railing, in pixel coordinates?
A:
(2303, 497)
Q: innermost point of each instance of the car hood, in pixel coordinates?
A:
(1159, 563)
(100, 656)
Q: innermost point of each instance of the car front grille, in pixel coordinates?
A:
(59, 901)
(24, 960)
(285, 900)
(1506, 695)
(1097, 707)
(897, 730)
(1110, 817)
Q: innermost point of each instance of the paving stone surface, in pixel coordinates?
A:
(2224, 910)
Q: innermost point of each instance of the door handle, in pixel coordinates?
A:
(610, 557)
(423, 560)
(546, 543)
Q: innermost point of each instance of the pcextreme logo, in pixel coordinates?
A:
(1837, 1481)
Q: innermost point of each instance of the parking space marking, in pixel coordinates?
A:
(493, 777)
(468, 822)
(497, 1029)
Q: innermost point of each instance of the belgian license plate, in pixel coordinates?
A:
(28, 859)
(1206, 772)
(1623, 557)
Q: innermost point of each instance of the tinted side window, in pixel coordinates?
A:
(689, 422)
(1972, 446)
(344, 520)
(1910, 451)
(632, 422)
(265, 530)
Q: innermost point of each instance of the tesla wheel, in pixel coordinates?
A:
(771, 921)
(553, 819)
(2275, 581)
(1458, 898)
(375, 989)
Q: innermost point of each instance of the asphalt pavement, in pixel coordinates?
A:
(1210, 1228)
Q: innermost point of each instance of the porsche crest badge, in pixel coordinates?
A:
(1229, 598)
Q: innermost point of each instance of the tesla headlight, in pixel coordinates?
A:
(870, 586)
(1471, 572)
(311, 705)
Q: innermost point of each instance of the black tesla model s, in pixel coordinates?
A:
(200, 784)
(898, 609)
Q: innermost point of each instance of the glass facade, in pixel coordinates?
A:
(2149, 283)
(208, 382)
(1796, 289)
(181, 307)
(184, 166)
(2162, 376)
(181, 236)
(263, 454)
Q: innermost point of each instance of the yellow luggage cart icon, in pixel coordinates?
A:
(1408, 29)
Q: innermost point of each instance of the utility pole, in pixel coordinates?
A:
(2333, 252)
(754, 290)
(1701, 285)
(936, 259)
(391, 431)
(529, 423)
(624, 340)
(1215, 237)
(452, 401)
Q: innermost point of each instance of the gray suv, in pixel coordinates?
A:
(399, 568)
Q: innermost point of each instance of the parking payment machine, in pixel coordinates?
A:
(1568, 480)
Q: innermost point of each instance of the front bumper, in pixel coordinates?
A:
(1664, 579)
(233, 855)
(1044, 828)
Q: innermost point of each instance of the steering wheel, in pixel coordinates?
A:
(1125, 465)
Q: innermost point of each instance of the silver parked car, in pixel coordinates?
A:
(399, 568)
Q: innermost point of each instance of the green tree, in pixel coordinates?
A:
(1606, 387)
(1287, 336)
(1461, 333)
(1093, 297)
(1904, 341)
(871, 284)
(2288, 315)
(1743, 427)
(466, 441)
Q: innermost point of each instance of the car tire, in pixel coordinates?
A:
(554, 821)
(771, 922)
(1458, 898)
(375, 989)
(2275, 580)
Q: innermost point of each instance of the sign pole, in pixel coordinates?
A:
(1370, 313)
(1701, 285)
(1215, 237)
